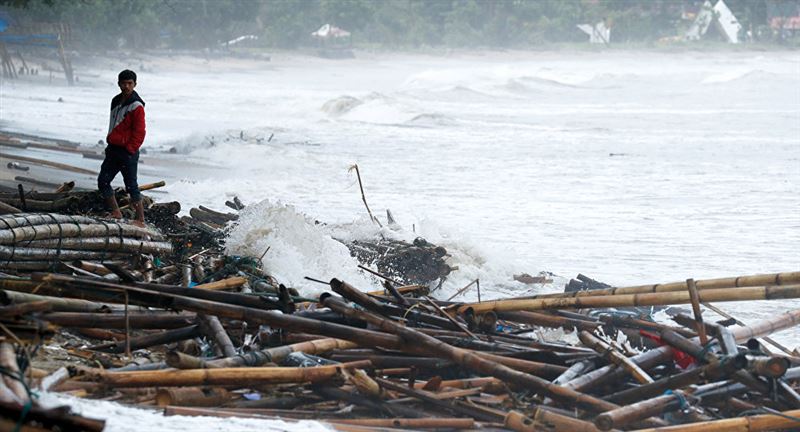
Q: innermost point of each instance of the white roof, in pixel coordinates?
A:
(329, 31)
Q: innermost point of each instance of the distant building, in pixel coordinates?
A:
(720, 17)
(598, 33)
(784, 18)
(333, 42)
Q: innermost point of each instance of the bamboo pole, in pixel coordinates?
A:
(163, 320)
(226, 376)
(149, 340)
(14, 381)
(28, 204)
(463, 383)
(276, 354)
(626, 300)
(8, 296)
(407, 289)
(544, 319)
(108, 243)
(575, 370)
(192, 396)
(768, 326)
(150, 186)
(33, 228)
(27, 220)
(66, 229)
(388, 361)
(214, 330)
(25, 308)
(640, 324)
(411, 423)
(54, 255)
(723, 314)
(770, 367)
(698, 315)
(756, 423)
(787, 278)
(92, 267)
(632, 413)
(8, 209)
(58, 165)
(231, 282)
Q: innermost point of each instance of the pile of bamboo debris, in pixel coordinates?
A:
(401, 359)
(160, 317)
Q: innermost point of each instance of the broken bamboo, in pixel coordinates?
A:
(226, 376)
(653, 299)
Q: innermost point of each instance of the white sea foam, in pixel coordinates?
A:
(298, 247)
(121, 418)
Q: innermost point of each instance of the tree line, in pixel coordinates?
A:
(143, 24)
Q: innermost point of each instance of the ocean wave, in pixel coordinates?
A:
(341, 105)
(547, 82)
(299, 246)
(742, 75)
(431, 120)
(611, 80)
(453, 94)
(377, 108)
(541, 84)
(517, 86)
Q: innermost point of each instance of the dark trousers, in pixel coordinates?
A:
(118, 160)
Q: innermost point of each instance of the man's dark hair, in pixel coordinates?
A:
(127, 74)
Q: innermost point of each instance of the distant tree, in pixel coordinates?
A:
(390, 23)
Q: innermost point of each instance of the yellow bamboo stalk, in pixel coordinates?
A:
(410, 423)
(767, 326)
(150, 186)
(786, 278)
(58, 165)
(402, 290)
(226, 376)
(648, 299)
(740, 424)
(231, 282)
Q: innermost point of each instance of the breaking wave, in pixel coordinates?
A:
(298, 246)
(741, 75)
(341, 105)
(431, 120)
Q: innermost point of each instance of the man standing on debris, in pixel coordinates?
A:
(126, 130)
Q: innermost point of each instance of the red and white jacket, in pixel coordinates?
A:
(126, 126)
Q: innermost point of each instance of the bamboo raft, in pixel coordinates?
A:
(179, 326)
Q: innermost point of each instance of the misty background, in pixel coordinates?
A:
(205, 24)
